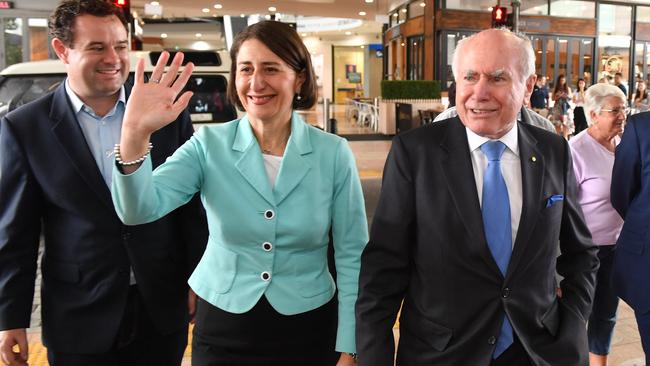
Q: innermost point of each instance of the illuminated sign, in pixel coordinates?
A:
(6, 4)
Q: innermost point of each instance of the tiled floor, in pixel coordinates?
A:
(370, 158)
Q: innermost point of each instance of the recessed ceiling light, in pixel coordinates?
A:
(155, 3)
(395, 14)
(303, 34)
(199, 35)
(404, 10)
(423, 4)
(369, 1)
(163, 35)
(205, 10)
(242, 15)
(348, 33)
(402, 44)
(218, 6)
(362, 13)
(272, 8)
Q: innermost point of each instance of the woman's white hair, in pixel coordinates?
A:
(521, 43)
(595, 96)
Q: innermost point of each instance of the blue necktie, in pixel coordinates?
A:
(496, 221)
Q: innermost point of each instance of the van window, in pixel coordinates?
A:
(209, 102)
(19, 90)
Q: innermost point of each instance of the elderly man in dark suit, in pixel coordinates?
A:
(467, 228)
(111, 294)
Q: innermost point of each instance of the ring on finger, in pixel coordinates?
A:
(155, 81)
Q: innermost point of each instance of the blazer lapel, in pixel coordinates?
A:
(68, 133)
(532, 181)
(459, 175)
(251, 165)
(294, 165)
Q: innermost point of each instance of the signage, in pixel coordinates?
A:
(6, 4)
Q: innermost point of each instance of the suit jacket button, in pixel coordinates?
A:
(265, 276)
(492, 340)
(269, 214)
(267, 246)
(505, 293)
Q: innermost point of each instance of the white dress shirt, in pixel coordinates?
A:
(510, 169)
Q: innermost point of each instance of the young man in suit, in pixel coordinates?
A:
(111, 294)
(467, 227)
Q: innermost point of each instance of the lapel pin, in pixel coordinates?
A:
(533, 158)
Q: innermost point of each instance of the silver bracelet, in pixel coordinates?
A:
(118, 156)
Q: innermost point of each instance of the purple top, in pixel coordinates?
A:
(592, 164)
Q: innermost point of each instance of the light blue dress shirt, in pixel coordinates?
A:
(101, 133)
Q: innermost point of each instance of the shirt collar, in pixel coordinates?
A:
(78, 104)
(509, 139)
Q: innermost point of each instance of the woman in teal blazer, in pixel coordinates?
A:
(274, 189)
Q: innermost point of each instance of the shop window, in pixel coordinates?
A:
(534, 7)
(416, 9)
(415, 60)
(614, 37)
(482, 5)
(573, 9)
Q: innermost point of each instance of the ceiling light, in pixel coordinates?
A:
(423, 4)
(218, 6)
(163, 35)
(404, 10)
(362, 13)
(369, 1)
(272, 8)
(360, 46)
(402, 44)
(348, 33)
(242, 15)
(304, 34)
(205, 10)
(199, 35)
(395, 14)
(155, 3)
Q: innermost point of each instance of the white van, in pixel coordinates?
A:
(21, 83)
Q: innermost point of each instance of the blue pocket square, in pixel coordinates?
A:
(554, 198)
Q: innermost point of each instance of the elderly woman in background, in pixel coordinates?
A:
(593, 159)
(274, 188)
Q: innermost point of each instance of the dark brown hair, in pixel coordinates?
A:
(283, 41)
(61, 22)
(558, 87)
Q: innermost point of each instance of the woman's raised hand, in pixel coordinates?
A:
(154, 104)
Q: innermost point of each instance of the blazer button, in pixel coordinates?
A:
(267, 246)
(265, 276)
(492, 340)
(505, 293)
(269, 214)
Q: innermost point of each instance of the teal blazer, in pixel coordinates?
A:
(264, 240)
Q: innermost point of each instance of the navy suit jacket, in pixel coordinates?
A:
(427, 247)
(51, 185)
(630, 195)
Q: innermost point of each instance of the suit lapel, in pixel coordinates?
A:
(458, 172)
(532, 181)
(68, 133)
(251, 165)
(294, 165)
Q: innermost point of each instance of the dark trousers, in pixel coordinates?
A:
(138, 343)
(264, 337)
(603, 312)
(515, 355)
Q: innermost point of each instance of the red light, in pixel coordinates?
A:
(120, 3)
(498, 14)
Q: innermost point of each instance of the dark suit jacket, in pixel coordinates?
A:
(427, 247)
(51, 185)
(630, 195)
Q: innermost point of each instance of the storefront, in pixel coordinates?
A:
(577, 38)
(23, 35)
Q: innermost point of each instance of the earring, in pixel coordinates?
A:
(298, 97)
